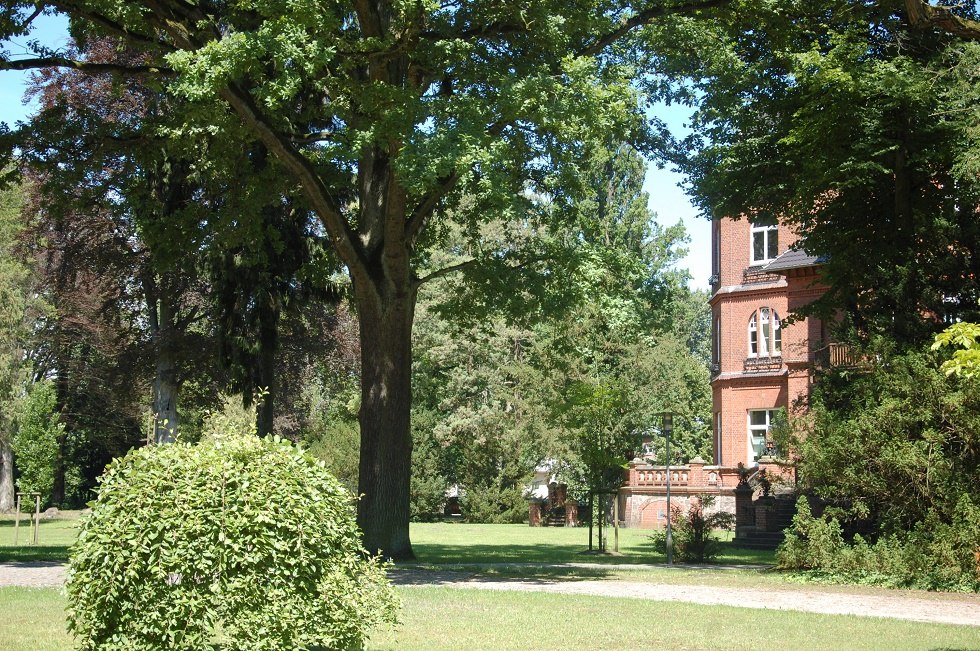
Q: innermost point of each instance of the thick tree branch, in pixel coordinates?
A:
(370, 18)
(460, 266)
(338, 229)
(644, 18)
(110, 26)
(445, 271)
(37, 12)
(84, 66)
(312, 137)
(416, 221)
(924, 15)
(425, 207)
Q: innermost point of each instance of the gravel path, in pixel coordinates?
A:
(38, 574)
(920, 607)
(932, 607)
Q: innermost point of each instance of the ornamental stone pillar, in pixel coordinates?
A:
(534, 513)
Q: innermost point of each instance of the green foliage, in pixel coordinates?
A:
(330, 431)
(500, 501)
(694, 533)
(887, 447)
(35, 443)
(575, 374)
(236, 541)
(811, 543)
(429, 483)
(479, 419)
(336, 444)
(606, 434)
(837, 118)
(966, 359)
(893, 452)
(14, 304)
(933, 556)
(15, 301)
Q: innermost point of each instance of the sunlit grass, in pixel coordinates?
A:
(54, 539)
(461, 543)
(33, 619)
(447, 619)
(436, 619)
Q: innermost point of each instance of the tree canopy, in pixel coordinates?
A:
(386, 116)
(842, 120)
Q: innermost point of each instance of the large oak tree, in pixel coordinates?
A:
(387, 115)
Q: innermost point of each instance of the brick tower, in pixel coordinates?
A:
(759, 364)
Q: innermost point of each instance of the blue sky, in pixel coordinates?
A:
(667, 199)
(671, 204)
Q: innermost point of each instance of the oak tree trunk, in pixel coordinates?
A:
(385, 316)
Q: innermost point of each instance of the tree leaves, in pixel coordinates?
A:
(236, 541)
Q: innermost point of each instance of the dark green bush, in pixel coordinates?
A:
(933, 556)
(494, 504)
(811, 543)
(235, 542)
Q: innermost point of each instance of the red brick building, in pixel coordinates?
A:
(760, 365)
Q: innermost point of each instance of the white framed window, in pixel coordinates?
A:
(760, 420)
(765, 333)
(765, 243)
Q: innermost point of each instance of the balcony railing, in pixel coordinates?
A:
(838, 356)
(761, 364)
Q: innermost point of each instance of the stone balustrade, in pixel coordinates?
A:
(643, 494)
(694, 474)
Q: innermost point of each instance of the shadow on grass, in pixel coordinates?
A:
(643, 554)
(730, 554)
(538, 553)
(29, 553)
(437, 576)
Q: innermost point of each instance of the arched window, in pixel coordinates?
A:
(765, 336)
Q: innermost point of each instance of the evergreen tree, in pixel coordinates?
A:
(15, 306)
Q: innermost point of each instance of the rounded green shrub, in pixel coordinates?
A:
(235, 542)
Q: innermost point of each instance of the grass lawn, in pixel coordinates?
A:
(441, 618)
(54, 538)
(33, 619)
(461, 543)
(435, 543)
(435, 619)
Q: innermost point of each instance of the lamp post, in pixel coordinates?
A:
(668, 426)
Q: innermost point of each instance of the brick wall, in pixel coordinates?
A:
(743, 381)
